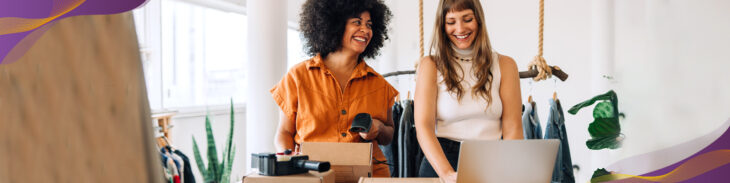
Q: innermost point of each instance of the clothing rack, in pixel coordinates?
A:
(557, 72)
(396, 73)
(162, 126)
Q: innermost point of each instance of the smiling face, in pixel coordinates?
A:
(461, 28)
(358, 31)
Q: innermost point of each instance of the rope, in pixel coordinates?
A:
(420, 25)
(538, 62)
(542, 24)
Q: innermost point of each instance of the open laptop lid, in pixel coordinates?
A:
(507, 161)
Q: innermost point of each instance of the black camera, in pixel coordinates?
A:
(361, 123)
(271, 164)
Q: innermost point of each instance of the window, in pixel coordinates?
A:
(201, 54)
(294, 48)
(195, 56)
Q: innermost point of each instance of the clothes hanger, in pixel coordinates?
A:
(555, 90)
(161, 142)
(529, 97)
(169, 145)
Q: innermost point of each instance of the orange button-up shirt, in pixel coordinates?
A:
(310, 94)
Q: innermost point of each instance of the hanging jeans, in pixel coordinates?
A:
(451, 150)
(391, 150)
(530, 122)
(563, 171)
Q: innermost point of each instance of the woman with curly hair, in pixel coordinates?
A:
(464, 91)
(320, 97)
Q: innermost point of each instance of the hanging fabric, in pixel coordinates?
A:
(530, 122)
(410, 154)
(563, 171)
(391, 150)
(187, 175)
(170, 164)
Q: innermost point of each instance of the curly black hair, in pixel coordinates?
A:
(322, 24)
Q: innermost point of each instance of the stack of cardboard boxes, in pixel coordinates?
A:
(351, 163)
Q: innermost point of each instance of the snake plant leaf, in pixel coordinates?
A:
(222, 165)
(230, 159)
(227, 152)
(228, 165)
(199, 159)
(216, 171)
(212, 152)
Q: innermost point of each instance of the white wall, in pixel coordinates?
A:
(671, 73)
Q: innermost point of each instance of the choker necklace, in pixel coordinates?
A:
(464, 55)
(462, 59)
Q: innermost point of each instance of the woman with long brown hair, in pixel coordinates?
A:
(464, 91)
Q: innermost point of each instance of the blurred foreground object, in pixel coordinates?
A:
(74, 108)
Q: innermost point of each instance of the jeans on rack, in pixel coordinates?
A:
(563, 171)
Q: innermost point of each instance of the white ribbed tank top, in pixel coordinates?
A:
(467, 119)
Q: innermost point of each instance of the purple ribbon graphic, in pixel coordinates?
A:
(22, 22)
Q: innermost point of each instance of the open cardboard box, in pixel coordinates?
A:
(350, 161)
(310, 177)
(399, 180)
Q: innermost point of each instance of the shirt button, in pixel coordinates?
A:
(344, 112)
(344, 134)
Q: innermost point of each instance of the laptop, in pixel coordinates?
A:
(507, 161)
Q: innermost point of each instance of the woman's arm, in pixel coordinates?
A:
(285, 133)
(509, 92)
(425, 118)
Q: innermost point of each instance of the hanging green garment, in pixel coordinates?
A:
(605, 129)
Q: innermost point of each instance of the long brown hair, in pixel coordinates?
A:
(444, 53)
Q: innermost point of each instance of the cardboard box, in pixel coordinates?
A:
(400, 180)
(350, 161)
(311, 177)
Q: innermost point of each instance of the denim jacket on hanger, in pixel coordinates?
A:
(555, 129)
(531, 123)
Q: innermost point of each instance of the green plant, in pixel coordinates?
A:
(598, 175)
(216, 172)
(605, 129)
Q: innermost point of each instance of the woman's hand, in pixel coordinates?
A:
(450, 177)
(375, 128)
